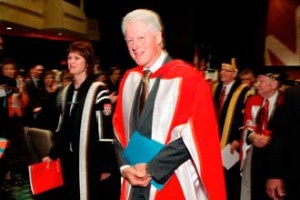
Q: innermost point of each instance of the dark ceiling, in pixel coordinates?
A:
(224, 29)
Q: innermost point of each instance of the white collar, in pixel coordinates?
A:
(228, 87)
(158, 63)
(273, 98)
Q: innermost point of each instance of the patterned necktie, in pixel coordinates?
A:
(145, 88)
(222, 98)
(263, 117)
(266, 111)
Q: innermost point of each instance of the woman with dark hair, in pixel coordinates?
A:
(87, 160)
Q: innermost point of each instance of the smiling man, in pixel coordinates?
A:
(178, 114)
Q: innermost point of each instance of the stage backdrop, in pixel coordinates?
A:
(282, 44)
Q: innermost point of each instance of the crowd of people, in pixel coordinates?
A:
(35, 99)
(161, 130)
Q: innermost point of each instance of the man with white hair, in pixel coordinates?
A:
(177, 121)
(258, 127)
(229, 97)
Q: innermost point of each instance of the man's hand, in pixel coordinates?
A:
(137, 175)
(275, 189)
(235, 145)
(140, 170)
(104, 176)
(260, 140)
(113, 97)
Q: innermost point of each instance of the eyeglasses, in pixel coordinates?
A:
(138, 40)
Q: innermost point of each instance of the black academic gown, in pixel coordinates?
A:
(232, 176)
(100, 155)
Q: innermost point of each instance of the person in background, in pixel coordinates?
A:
(8, 87)
(102, 76)
(283, 168)
(16, 105)
(258, 128)
(88, 161)
(248, 76)
(114, 77)
(112, 82)
(35, 76)
(19, 101)
(47, 117)
(4, 117)
(229, 97)
(34, 86)
(178, 115)
(66, 78)
(13, 102)
(97, 67)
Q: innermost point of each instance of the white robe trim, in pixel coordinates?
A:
(250, 123)
(83, 144)
(164, 107)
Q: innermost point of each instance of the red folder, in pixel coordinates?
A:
(45, 176)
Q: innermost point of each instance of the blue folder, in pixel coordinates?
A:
(141, 149)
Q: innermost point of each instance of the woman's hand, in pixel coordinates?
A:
(46, 159)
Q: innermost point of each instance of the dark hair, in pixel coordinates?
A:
(112, 69)
(9, 61)
(248, 71)
(49, 72)
(66, 75)
(86, 50)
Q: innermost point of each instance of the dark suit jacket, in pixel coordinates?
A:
(284, 147)
(33, 93)
(260, 156)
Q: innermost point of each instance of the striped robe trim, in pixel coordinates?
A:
(84, 136)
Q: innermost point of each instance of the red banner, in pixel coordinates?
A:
(282, 42)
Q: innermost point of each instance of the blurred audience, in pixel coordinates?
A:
(48, 115)
(34, 86)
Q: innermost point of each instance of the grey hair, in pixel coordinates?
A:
(148, 17)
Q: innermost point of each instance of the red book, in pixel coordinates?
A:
(45, 176)
(266, 132)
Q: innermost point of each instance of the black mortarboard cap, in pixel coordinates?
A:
(275, 74)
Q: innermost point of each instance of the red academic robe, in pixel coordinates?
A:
(183, 108)
(252, 107)
(254, 160)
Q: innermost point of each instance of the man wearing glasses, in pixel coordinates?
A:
(229, 98)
